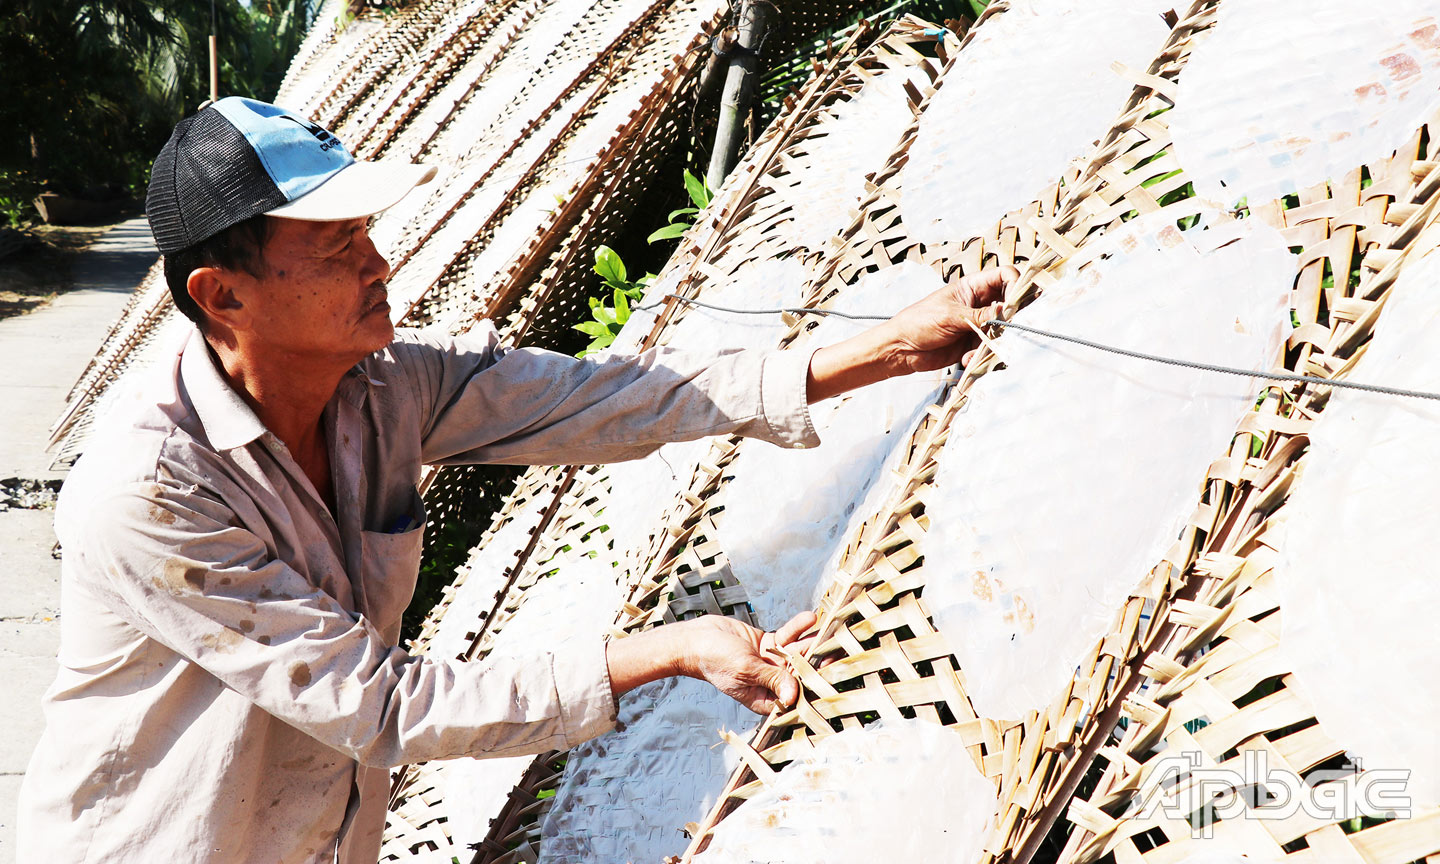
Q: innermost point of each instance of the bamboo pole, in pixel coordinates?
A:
(214, 56)
(214, 69)
(739, 92)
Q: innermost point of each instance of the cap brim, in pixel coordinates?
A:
(357, 190)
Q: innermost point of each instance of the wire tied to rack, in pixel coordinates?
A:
(997, 324)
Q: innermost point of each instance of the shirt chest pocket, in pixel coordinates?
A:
(391, 564)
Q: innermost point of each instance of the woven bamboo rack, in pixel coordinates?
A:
(1209, 678)
(879, 652)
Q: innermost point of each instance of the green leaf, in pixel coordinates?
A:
(683, 211)
(605, 315)
(592, 328)
(599, 343)
(622, 308)
(669, 232)
(609, 265)
(699, 193)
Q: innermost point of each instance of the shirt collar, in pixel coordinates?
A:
(356, 384)
(228, 421)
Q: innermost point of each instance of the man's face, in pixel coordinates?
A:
(322, 295)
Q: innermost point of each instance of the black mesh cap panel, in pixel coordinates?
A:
(206, 178)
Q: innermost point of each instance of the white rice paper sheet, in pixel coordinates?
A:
(788, 512)
(475, 207)
(1033, 90)
(578, 603)
(1214, 852)
(1070, 472)
(827, 178)
(1284, 94)
(641, 491)
(474, 792)
(851, 800)
(531, 71)
(626, 795)
(486, 574)
(1356, 575)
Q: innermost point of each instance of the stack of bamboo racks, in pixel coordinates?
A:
(1199, 634)
(1194, 638)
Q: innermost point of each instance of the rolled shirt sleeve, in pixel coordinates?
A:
(483, 403)
(183, 573)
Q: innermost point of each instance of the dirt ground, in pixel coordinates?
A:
(34, 274)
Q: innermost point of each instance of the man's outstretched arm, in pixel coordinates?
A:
(938, 331)
(740, 661)
(481, 402)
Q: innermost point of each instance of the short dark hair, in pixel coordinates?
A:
(240, 247)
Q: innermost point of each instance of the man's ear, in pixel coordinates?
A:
(218, 293)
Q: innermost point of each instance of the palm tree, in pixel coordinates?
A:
(93, 88)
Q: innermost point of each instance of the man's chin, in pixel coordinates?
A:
(378, 328)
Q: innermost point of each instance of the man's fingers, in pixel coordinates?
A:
(761, 705)
(987, 286)
(779, 681)
(803, 644)
(794, 628)
(982, 314)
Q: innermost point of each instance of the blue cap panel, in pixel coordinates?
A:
(297, 154)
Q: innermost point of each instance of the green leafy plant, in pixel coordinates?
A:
(680, 220)
(606, 320)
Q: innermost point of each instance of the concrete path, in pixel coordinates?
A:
(41, 355)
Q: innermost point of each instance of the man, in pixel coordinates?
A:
(244, 533)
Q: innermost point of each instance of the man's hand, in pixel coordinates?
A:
(742, 662)
(938, 331)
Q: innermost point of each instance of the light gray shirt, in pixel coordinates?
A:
(230, 687)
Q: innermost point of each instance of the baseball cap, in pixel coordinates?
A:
(237, 158)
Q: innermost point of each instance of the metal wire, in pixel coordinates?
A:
(1075, 340)
(799, 310)
(1224, 370)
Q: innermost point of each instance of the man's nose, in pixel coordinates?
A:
(375, 262)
